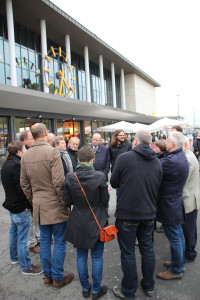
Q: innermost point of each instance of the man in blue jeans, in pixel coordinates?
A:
(42, 178)
(20, 210)
(171, 212)
(137, 175)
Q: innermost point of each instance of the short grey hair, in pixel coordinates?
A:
(56, 140)
(143, 137)
(177, 138)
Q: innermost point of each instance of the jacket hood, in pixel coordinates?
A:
(146, 151)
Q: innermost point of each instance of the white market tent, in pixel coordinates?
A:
(125, 126)
(164, 124)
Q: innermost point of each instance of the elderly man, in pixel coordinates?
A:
(50, 139)
(102, 155)
(72, 150)
(42, 178)
(191, 196)
(171, 211)
(60, 144)
(34, 239)
(137, 175)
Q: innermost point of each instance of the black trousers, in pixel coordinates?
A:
(190, 233)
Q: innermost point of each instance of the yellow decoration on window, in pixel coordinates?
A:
(55, 92)
(72, 89)
(49, 83)
(65, 82)
(68, 95)
(46, 70)
(48, 58)
(72, 67)
(60, 53)
(52, 50)
(72, 78)
(66, 57)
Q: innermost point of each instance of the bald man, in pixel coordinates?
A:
(102, 155)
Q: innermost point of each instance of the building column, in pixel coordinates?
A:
(113, 84)
(87, 73)
(68, 51)
(123, 89)
(11, 40)
(44, 52)
(101, 79)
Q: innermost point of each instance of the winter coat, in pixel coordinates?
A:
(102, 160)
(175, 172)
(82, 230)
(42, 179)
(116, 150)
(191, 193)
(74, 157)
(66, 161)
(15, 200)
(137, 175)
(196, 145)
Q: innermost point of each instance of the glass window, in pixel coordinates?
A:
(6, 51)
(20, 126)
(3, 139)
(1, 51)
(7, 74)
(2, 74)
(19, 77)
(87, 127)
(77, 129)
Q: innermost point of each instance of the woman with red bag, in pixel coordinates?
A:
(82, 230)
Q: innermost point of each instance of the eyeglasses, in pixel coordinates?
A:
(121, 134)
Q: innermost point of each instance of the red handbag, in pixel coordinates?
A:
(108, 233)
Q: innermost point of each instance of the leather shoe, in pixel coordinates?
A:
(66, 280)
(168, 264)
(102, 292)
(48, 281)
(86, 294)
(35, 249)
(168, 276)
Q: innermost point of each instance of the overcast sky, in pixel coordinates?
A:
(162, 37)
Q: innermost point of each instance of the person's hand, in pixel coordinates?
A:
(197, 152)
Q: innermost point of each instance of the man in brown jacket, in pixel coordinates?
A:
(42, 179)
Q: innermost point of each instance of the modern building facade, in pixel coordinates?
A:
(54, 70)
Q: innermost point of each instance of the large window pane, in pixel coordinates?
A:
(2, 74)
(6, 50)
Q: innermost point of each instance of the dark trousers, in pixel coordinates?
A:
(127, 233)
(190, 233)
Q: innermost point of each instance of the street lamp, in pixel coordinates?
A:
(178, 106)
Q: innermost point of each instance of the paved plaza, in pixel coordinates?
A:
(15, 286)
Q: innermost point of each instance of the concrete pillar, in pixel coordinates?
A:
(68, 51)
(11, 40)
(101, 79)
(113, 84)
(87, 73)
(44, 52)
(123, 89)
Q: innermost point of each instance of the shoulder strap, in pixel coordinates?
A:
(87, 200)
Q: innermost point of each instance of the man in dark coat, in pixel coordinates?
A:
(72, 150)
(171, 211)
(137, 175)
(82, 230)
(102, 155)
(19, 208)
(119, 145)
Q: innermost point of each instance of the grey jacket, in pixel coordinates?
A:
(191, 193)
(67, 163)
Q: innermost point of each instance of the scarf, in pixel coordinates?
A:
(80, 164)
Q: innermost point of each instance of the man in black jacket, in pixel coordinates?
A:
(19, 208)
(137, 175)
(72, 150)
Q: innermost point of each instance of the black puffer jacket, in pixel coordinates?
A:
(74, 157)
(82, 229)
(15, 200)
(138, 176)
(116, 150)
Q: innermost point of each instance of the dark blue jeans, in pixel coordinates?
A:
(97, 267)
(53, 266)
(174, 233)
(128, 231)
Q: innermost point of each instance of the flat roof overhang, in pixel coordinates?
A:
(58, 23)
(25, 99)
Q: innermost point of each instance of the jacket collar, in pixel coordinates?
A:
(40, 143)
(13, 157)
(174, 152)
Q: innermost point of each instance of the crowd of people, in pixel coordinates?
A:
(50, 189)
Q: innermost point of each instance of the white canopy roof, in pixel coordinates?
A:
(125, 126)
(164, 124)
